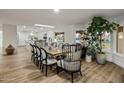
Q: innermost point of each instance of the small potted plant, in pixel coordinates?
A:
(10, 50)
(45, 36)
(89, 54)
(98, 27)
(90, 46)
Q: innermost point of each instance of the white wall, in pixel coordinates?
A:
(9, 35)
(1, 39)
(81, 26)
(70, 31)
(69, 34)
(22, 37)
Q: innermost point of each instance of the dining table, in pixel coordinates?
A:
(57, 53)
(54, 52)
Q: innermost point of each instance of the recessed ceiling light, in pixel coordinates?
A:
(56, 10)
(47, 26)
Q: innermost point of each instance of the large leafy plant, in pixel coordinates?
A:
(98, 27)
(89, 43)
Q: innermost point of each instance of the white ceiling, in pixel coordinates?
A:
(49, 17)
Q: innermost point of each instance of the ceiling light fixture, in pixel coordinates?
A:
(47, 26)
(56, 10)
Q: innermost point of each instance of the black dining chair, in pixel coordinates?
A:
(71, 62)
(36, 55)
(33, 53)
(44, 60)
(60, 45)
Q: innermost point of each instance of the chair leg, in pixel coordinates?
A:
(42, 68)
(34, 61)
(72, 77)
(50, 67)
(31, 58)
(46, 71)
(40, 64)
(80, 73)
(37, 62)
(57, 68)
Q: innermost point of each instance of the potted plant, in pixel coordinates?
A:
(89, 54)
(45, 36)
(90, 46)
(98, 27)
(10, 50)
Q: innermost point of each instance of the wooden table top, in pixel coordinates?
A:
(54, 52)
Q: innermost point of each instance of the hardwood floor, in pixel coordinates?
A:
(19, 69)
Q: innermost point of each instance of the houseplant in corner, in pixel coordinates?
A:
(89, 54)
(98, 27)
(90, 46)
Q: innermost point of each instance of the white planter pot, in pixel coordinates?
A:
(88, 58)
(101, 58)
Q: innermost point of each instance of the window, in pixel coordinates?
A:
(119, 44)
(59, 36)
(107, 41)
